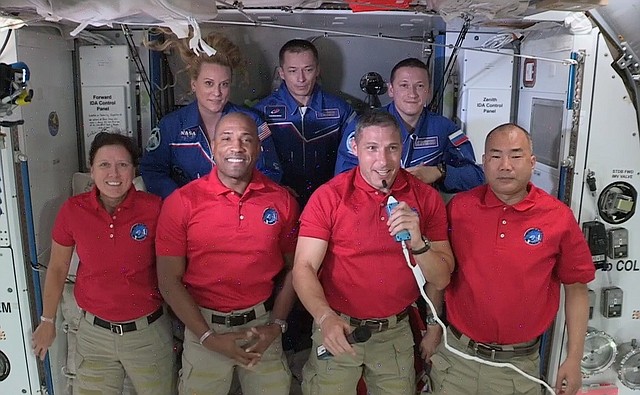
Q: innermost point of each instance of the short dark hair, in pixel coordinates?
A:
(237, 114)
(375, 118)
(297, 46)
(506, 127)
(410, 62)
(106, 138)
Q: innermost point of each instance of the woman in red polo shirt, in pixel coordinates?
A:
(124, 329)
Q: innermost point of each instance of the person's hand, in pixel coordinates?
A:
(569, 378)
(334, 330)
(426, 174)
(264, 335)
(42, 338)
(430, 341)
(403, 217)
(228, 344)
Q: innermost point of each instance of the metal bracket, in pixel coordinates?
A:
(628, 60)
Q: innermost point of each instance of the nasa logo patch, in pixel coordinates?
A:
(188, 134)
(139, 232)
(533, 236)
(270, 216)
(154, 140)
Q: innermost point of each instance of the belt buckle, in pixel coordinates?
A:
(117, 329)
(379, 323)
(227, 319)
(488, 351)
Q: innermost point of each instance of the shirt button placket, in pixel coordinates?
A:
(240, 214)
(111, 227)
(503, 222)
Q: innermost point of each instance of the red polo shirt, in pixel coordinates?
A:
(116, 278)
(510, 262)
(364, 273)
(234, 244)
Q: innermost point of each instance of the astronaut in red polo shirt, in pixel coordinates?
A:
(364, 278)
(222, 242)
(123, 329)
(514, 245)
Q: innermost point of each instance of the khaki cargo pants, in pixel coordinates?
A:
(385, 361)
(453, 375)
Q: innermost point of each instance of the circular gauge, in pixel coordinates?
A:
(599, 352)
(628, 365)
(5, 366)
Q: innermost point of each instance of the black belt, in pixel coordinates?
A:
(497, 351)
(236, 319)
(124, 327)
(377, 325)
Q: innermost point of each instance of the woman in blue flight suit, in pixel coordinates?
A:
(179, 149)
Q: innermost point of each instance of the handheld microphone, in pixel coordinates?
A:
(404, 234)
(359, 335)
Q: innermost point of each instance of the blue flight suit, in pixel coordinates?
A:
(306, 144)
(178, 150)
(435, 140)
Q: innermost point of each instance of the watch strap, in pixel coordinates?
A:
(282, 323)
(427, 246)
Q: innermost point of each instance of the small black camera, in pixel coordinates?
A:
(373, 85)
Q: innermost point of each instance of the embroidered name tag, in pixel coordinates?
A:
(426, 142)
(329, 113)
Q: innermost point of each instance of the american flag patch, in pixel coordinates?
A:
(263, 131)
(458, 138)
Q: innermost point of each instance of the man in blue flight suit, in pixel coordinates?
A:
(306, 123)
(178, 150)
(434, 148)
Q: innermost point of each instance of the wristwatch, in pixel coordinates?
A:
(427, 246)
(431, 320)
(283, 324)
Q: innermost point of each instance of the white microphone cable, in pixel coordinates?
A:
(421, 281)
